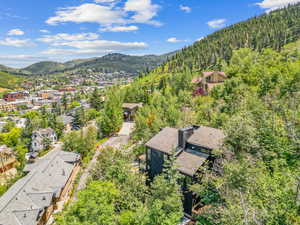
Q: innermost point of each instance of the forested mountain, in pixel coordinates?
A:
(272, 30)
(109, 63)
(44, 67)
(11, 70)
(119, 62)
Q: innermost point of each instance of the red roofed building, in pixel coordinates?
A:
(205, 83)
(67, 89)
(13, 96)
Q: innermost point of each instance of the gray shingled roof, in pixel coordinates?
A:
(165, 141)
(45, 131)
(207, 137)
(207, 74)
(21, 204)
(189, 163)
(131, 105)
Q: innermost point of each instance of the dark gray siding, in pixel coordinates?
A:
(156, 162)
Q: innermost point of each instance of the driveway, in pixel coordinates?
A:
(126, 129)
(116, 142)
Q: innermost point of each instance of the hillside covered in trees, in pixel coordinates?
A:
(272, 30)
(255, 178)
(109, 63)
(10, 81)
(255, 175)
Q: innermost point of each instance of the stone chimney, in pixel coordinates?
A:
(183, 135)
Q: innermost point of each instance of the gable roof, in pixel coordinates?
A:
(189, 163)
(132, 105)
(44, 131)
(23, 202)
(207, 74)
(207, 137)
(165, 141)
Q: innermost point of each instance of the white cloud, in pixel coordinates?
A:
(199, 39)
(132, 11)
(271, 5)
(144, 11)
(174, 40)
(104, 1)
(16, 42)
(94, 47)
(92, 13)
(218, 23)
(185, 8)
(44, 31)
(16, 32)
(120, 28)
(68, 37)
(103, 44)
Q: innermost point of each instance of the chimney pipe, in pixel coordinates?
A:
(183, 135)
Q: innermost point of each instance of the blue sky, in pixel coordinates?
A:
(61, 30)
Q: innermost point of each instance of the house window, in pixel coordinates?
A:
(194, 149)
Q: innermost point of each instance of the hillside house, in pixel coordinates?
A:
(192, 147)
(40, 136)
(129, 110)
(7, 159)
(205, 83)
(20, 122)
(45, 188)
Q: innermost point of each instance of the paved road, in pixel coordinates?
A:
(126, 129)
(116, 142)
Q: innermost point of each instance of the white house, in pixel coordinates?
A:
(39, 136)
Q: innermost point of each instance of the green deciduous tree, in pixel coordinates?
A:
(95, 206)
(112, 115)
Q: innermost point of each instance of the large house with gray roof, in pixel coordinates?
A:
(33, 198)
(192, 148)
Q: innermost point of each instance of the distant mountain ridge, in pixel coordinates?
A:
(114, 62)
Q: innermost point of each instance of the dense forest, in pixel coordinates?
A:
(273, 30)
